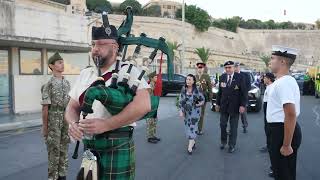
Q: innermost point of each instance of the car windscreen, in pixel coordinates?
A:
(164, 76)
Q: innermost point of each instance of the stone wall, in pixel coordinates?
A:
(245, 46)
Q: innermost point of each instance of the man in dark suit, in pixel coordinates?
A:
(231, 100)
(246, 78)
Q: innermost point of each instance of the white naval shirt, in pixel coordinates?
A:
(89, 75)
(284, 90)
(266, 93)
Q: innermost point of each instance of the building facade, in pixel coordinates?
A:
(30, 32)
(168, 8)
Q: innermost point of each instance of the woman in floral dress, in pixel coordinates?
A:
(190, 102)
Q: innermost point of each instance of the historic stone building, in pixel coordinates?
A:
(168, 8)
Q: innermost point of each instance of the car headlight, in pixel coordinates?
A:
(255, 91)
(215, 90)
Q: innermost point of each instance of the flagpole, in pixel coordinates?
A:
(183, 35)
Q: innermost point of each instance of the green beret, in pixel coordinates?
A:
(54, 58)
(152, 75)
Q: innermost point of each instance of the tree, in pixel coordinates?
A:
(253, 24)
(179, 14)
(318, 24)
(286, 25)
(98, 6)
(203, 54)
(266, 59)
(136, 6)
(271, 24)
(231, 24)
(196, 16)
(154, 11)
(173, 47)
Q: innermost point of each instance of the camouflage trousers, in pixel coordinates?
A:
(200, 125)
(57, 145)
(151, 127)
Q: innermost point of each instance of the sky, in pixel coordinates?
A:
(306, 11)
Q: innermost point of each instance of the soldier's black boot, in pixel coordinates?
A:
(62, 178)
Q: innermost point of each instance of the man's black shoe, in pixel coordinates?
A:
(231, 149)
(152, 140)
(222, 146)
(245, 130)
(264, 149)
(62, 178)
(270, 174)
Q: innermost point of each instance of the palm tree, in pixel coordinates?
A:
(203, 54)
(173, 47)
(266, 60)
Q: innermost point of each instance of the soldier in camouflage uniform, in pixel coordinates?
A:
(205, 85)
(55, 129)
(152, 122)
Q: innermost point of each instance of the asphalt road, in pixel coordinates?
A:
(23, 152)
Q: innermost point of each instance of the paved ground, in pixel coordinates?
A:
(23, 153)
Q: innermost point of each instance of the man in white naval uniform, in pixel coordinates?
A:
(283, 109)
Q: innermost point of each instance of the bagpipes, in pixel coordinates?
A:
(118, 95)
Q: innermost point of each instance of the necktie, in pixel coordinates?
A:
(229, 81)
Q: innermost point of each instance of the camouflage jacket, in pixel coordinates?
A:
(55, 93)
(204, 84)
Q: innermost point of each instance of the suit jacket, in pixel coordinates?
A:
(231, 98)
(247, 80)
(204, 83)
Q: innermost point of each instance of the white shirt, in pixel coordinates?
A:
(230, 76)
(284, 90)
(266, 93)
(89, 75)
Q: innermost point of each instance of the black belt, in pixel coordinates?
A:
(277, 124)
(125, 132)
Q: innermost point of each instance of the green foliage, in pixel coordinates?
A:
(136, 6)
(179, 14)
(203, 54)
(173, 46)
(153, 11)
(99, 5)
(266, 59)
(318, 24)
(196, 16)
(231, 24)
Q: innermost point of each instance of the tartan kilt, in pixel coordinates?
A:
(115, 164)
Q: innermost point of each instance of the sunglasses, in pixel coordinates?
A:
(228, 67)
(200, 67)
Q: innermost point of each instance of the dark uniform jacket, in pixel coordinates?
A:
(231, 98)
(246, 79)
